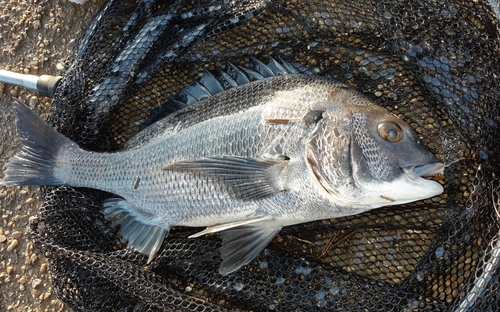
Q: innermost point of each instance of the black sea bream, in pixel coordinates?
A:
(246, 162)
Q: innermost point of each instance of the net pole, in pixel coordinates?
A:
(45, 84)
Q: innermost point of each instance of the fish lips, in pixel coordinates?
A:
(427, 170)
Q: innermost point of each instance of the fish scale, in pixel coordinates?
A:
(307, 156)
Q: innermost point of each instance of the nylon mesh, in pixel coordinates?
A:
(435, 63)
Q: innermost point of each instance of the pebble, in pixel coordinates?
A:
(17, 234)
(13, 243)
(36, 24)
(3, 238)
(61, 13)
(24, 218)
(36, 282)
(33, 102)
(30, 200)
(33, 258)
(43, 268)
(1, 151)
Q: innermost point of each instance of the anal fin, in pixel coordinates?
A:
(144, 238)
(242, 244)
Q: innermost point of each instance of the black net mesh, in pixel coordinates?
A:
(433, 62)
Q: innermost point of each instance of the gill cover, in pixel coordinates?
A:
(328, 159)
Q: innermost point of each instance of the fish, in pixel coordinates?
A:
(244, 162)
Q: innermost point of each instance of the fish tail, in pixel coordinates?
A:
(35, 163)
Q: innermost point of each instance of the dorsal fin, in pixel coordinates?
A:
(213, 82)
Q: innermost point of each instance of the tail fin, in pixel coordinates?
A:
(34, 164)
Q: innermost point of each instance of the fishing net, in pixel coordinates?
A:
(435, 63)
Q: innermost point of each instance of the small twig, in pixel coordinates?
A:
(301, 240)
(332, 243)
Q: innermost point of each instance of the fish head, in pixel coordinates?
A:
(363, 156)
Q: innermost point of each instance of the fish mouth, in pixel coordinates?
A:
(428, 170)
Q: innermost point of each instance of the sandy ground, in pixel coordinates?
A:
(35, 36)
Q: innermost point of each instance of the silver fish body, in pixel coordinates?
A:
(245, 162)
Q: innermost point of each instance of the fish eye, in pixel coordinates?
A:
(391, 132)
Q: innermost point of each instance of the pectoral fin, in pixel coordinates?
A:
(144, 238)
(242, 244)
(245, 177)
